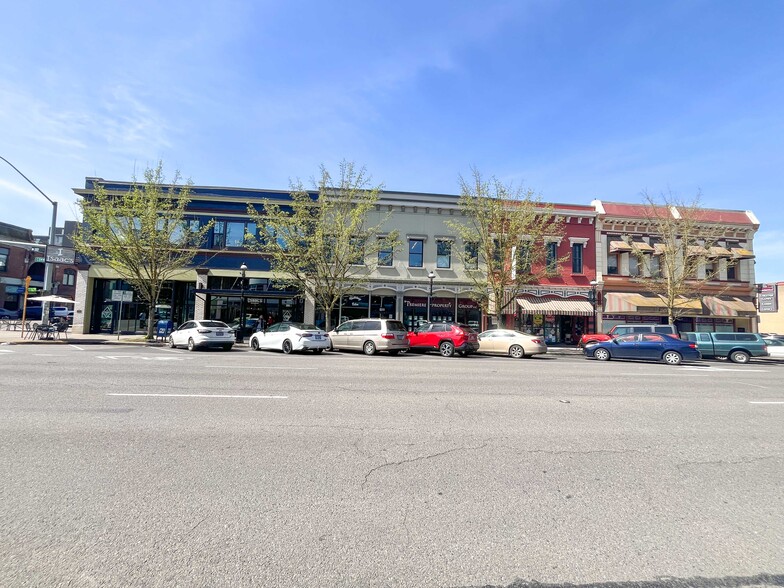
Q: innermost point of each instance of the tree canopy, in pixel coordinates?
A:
(507, 231)
(323, 243)
(141, 233)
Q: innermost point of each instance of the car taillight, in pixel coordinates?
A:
(306, 335)
(203, 331)
(693, 345)
(388, 336)
(537, 341)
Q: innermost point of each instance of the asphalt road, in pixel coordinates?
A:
(134, 466)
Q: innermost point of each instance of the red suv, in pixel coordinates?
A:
(447, 338)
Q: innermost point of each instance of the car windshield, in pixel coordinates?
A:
(305, 326)
(214, 324)
(467, 329)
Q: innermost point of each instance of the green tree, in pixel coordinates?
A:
(682, 264)
(509, 229)
(141, 233)
(325, 246)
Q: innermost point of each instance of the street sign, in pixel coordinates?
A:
(57, 254)
(122, 295)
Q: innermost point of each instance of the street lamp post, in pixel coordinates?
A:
(594, 283)
(430, 276)
(241, 330)
(48, 267)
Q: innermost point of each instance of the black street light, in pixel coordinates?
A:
(592, 298)
(430, 276)
(241, 330)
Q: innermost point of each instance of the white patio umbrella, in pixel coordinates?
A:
(51, 298)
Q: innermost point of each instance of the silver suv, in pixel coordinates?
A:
(371, 336)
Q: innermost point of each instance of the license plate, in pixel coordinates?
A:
(317, 337)
(219, 333)
(400, 337)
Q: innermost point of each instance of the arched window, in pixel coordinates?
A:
(69, 277)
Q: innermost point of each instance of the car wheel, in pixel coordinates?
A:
(254, 344)
(171, 342)
(286, 346)
(394, 352)
(516, 351)
(227, 347)
(447, 348)
(739, 357)
(672, 357)
(602, 354)
(317, 351)
(369, 348)
(191, 345)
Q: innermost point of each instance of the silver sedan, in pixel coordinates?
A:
(512, 343)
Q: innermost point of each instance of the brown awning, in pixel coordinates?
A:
(620, 302)
(729, 306)
(549, 306)
(717, 251)
(642, 246)
(740, 253)
(619, 247)
(659, 248)
(697, 250)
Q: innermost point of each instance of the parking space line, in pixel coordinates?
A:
(766, 402)
(77, 347)
(263, 367)
(196, 395)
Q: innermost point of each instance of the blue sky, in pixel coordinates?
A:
(576, 99)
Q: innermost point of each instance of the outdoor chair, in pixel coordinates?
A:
(61, 329)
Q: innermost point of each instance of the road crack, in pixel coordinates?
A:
(420, 458)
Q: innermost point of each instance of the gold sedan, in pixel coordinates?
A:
(512, 343)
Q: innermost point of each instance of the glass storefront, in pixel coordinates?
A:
(267, 308)
(108, 316)
(355, 306)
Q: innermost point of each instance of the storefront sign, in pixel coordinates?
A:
(768, 298)
(56, 254)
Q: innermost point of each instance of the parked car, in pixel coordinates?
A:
(59, 311)
(775, 347)
(648, 346)
(9, 314)
(446, 338)
(371, 336)
(736, 347)
(618, 330)
(288, 337)
(200, 334)
(512, 343)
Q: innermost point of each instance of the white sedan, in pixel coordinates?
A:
(512, 343)
(197, 334)
(288, 337)
(775, 347)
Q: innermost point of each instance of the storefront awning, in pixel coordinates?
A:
(621, 302)
(729, 306)
(717, 251)
(642, 246)
(564, 307)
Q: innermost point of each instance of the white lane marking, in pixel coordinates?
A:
(142, 357)
(262, 367)
(77, 347)
(761, 402)
(721, 369)
(6, 350)
(755, 385)
(195, 395)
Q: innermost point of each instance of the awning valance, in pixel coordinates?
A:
(729, 306)
(620, 302)
(549, 306)
(717, 251)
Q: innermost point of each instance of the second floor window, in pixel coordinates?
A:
(4, 259)
(612, 264)
(444, 253)
(472, 255)
(416, 249)
(523, 258)
(219, 235)
(732, 271)
(69, 278)
(235, 233)
(552, 257)
(385, 256)
(577, 258)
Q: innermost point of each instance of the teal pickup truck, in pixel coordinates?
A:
(736, 347)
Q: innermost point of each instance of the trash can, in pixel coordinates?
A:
(163, 329)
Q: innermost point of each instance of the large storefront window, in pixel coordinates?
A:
(414, 311)
(469, 313)
(442, 310)
(269, 310)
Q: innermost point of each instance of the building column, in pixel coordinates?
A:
(200, 303)
(310, 310)
(82, 302)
